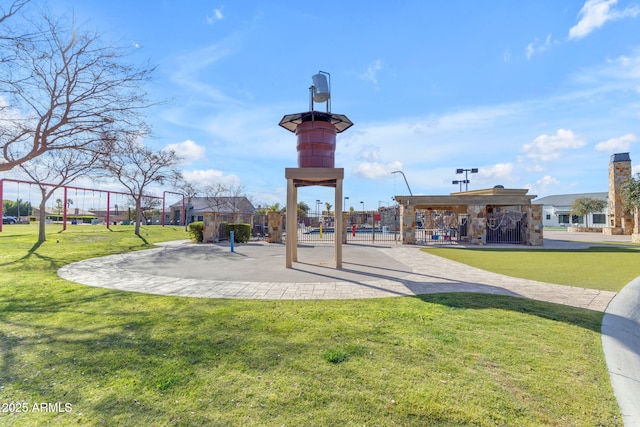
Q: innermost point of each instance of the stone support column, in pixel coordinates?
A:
(408, 224)
(211, 227)
(534, 225)
(274, 226)
(620, 221)
(477, 224)
(345, 227)
(635, 237)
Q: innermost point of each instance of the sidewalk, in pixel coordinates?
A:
(257, 271)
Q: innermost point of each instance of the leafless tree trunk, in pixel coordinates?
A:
(66, 88)
(137, 167)
(57, 168)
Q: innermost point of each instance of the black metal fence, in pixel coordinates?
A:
(440, 227)
(506, 227)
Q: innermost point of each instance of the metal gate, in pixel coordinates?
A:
(372, 227)
(506, 227)
(440, 227)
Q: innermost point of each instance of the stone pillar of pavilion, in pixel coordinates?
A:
(408, 224)
(316, 132)
(620, 218)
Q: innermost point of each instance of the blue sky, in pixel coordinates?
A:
(536, 94)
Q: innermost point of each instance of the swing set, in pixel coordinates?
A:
(65, 199)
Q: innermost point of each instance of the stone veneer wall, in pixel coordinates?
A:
(345, 230)
(620, 221)
(211, 227)
(408, 225)
(635, 237)
(534, 233)
(477, 224)
(274, 226)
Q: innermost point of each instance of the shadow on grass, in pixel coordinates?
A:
(584, 318)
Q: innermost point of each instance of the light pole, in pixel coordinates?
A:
(462, 181)
(466, 176)
(405, 181)
(365, 218)
(344, 203)
(318, 211)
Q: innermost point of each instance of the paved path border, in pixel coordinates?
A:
(380, 271)
(621, 345)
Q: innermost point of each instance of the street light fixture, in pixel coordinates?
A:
(466, 176)
(344, 204)
(462, 181)
(405, 181)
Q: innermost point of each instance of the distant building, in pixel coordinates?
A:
(230, 209)
(74, 215)
(556, 210)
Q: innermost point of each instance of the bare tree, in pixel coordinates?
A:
(215, 196)
(12, 9)
(66, 88)
(137, 167)
(53, 170)
(189, 190)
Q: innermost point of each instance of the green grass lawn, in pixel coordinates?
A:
(132, 359)
(607, 268)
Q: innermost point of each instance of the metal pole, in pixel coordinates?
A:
(1, 204)
(405, 181)
(108, 209)
(64, 210)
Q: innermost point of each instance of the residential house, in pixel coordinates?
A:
(230, 209)
(556, 211)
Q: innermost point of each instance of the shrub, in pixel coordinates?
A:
(241, 232)
(195, 230)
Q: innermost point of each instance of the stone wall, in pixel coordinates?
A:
(345, 229)
(620, 220)
(274, 225)
(211, 227)
(408, 225)
(477, 224)
(534, 235)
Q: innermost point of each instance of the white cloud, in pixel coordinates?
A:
(506, 55)
(616, 145)
(536, 47)
(499, 171)
(549, 147)
(595, 13)
(374, 170)
(372, 72)
(217, 16)
(188, 150)
(543, 186)
(210, 177)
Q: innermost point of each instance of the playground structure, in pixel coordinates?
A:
(110, 214)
